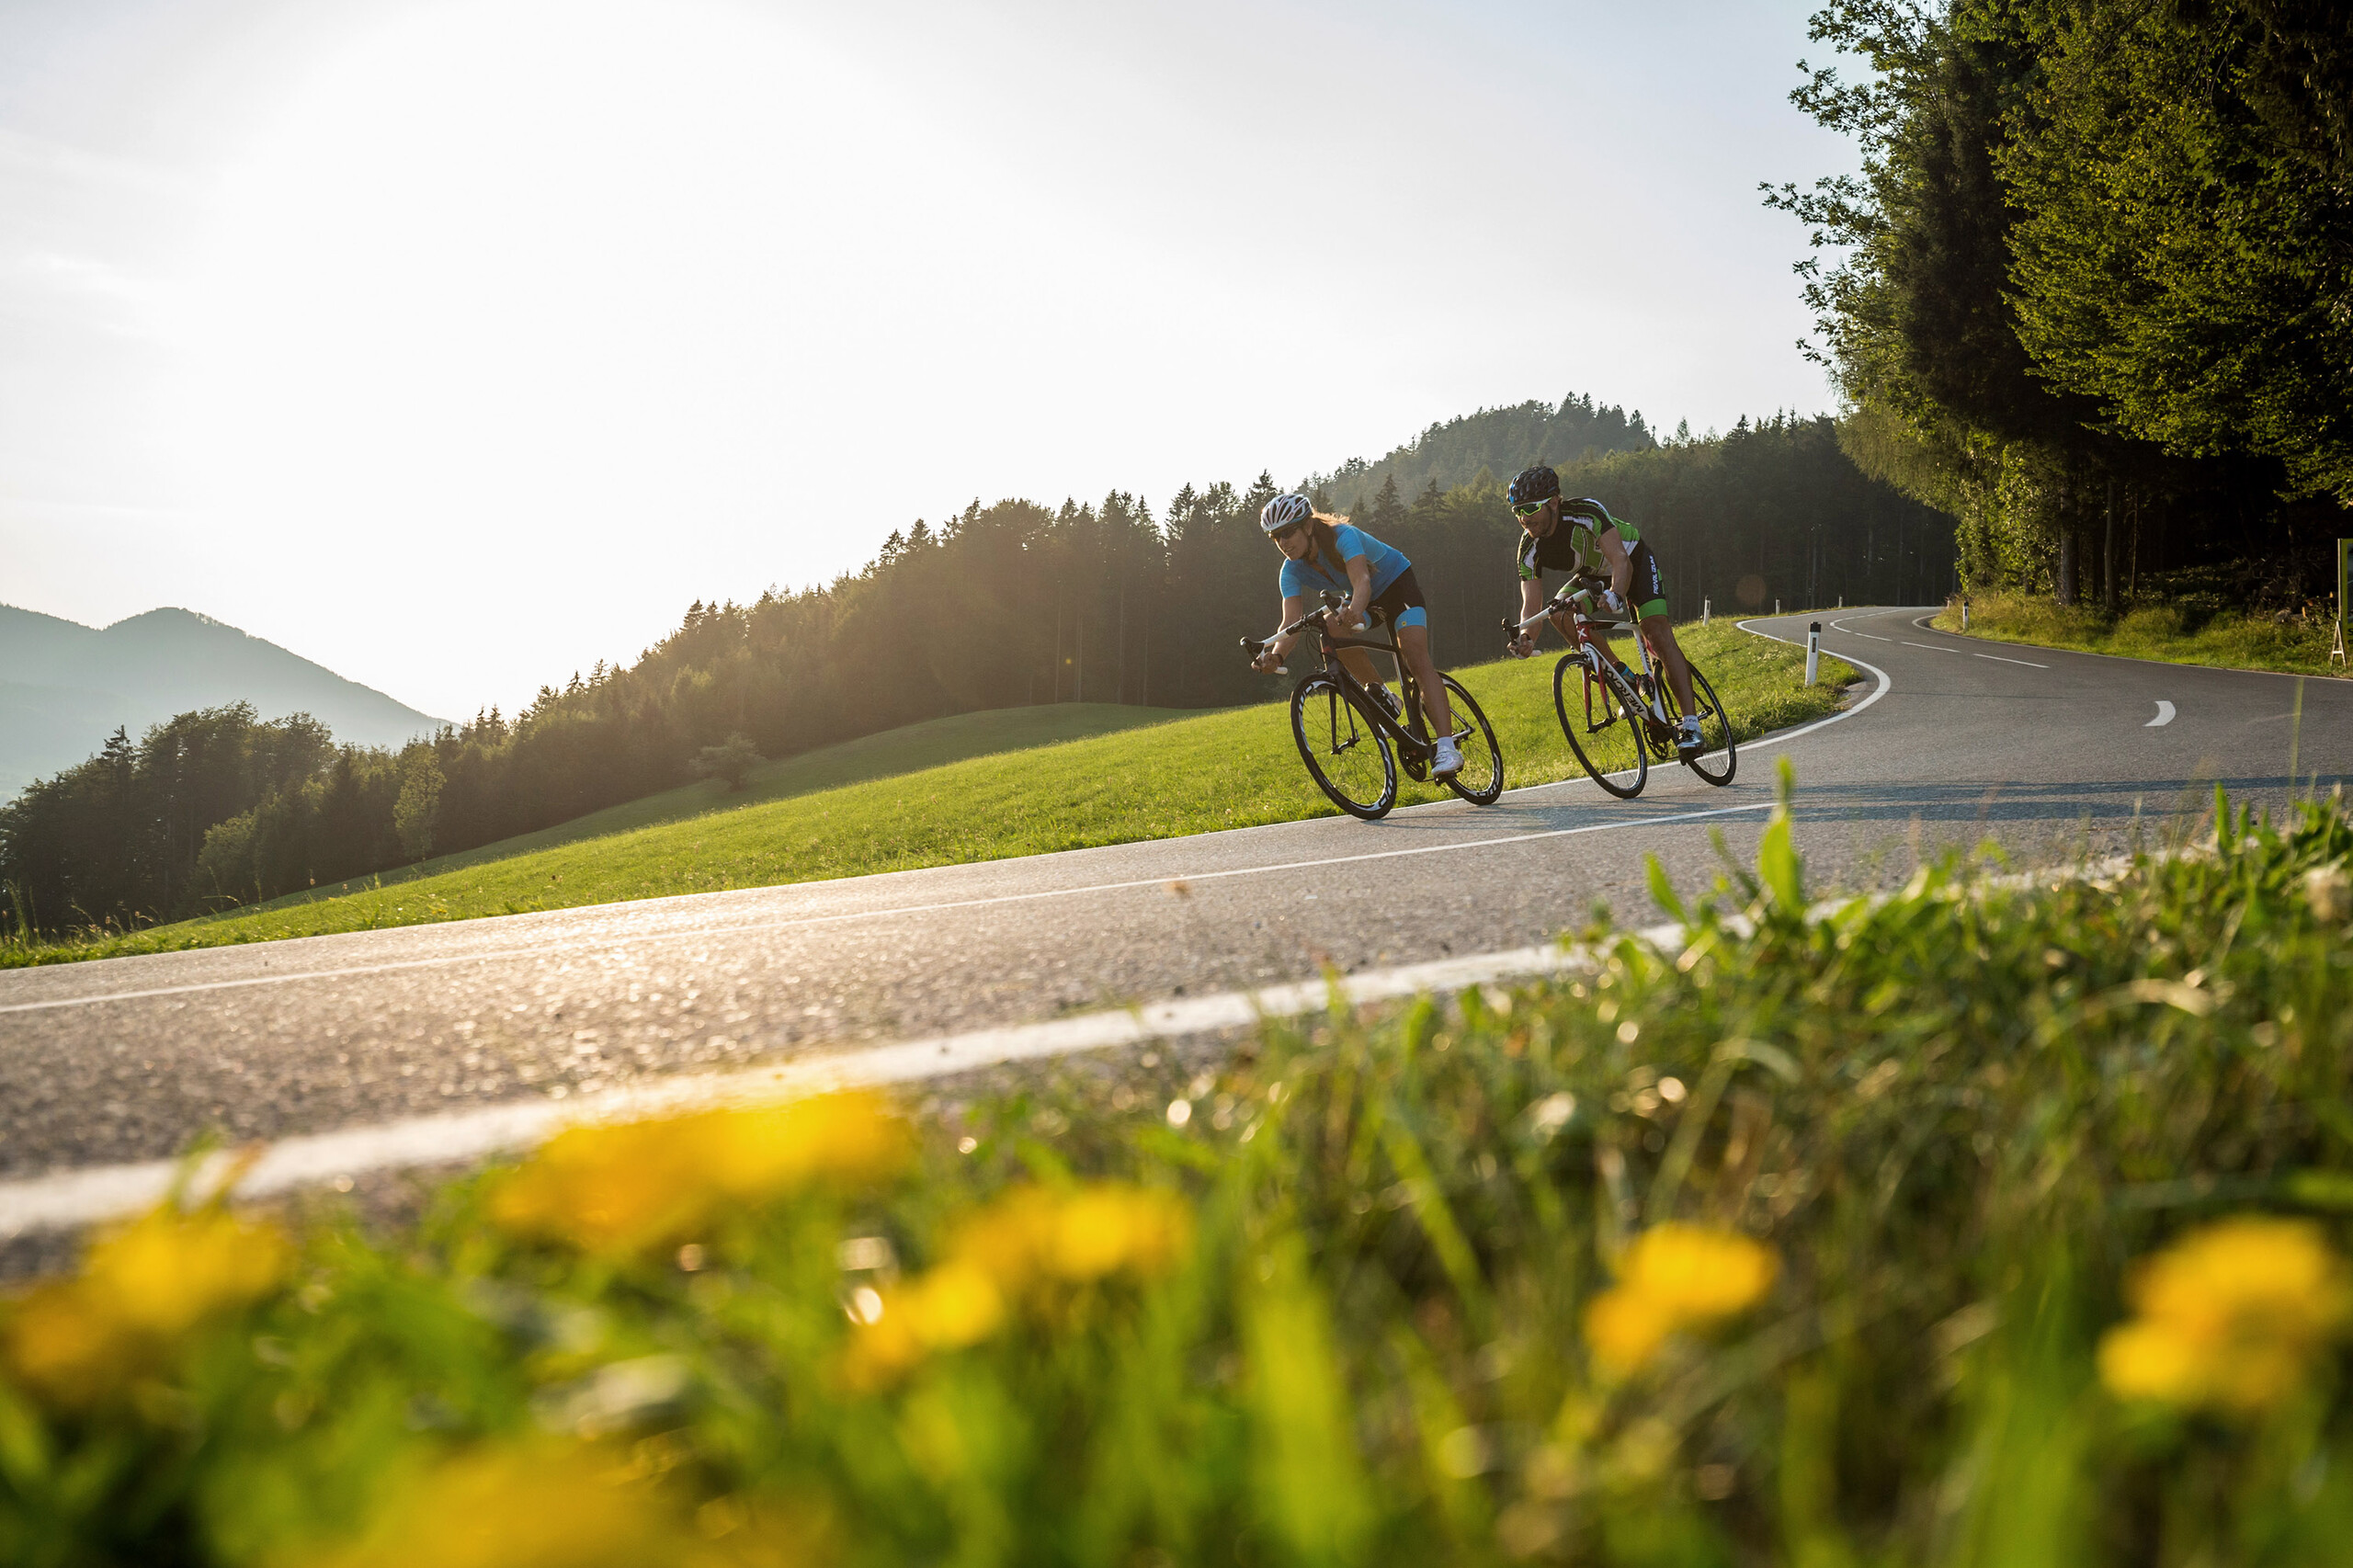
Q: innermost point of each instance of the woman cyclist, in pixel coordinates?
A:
(1582, 537)
(1323, 552)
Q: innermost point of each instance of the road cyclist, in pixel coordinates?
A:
(1615, 719)
(1580, 536)
(1335, 580)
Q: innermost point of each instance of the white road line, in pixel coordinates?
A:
(705, 933)
(1882, 690)
(2030, 663)
(1932, 647)
(99, 1193)
(2164, 715)
(1842, 628)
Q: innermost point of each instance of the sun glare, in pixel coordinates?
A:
(525, 258)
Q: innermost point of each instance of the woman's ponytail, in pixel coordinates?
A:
(1327, 544)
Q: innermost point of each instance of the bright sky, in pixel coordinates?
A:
(458, 345)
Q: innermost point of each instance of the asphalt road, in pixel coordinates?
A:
(1954, 740)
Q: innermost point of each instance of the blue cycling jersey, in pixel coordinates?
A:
(1386, 563)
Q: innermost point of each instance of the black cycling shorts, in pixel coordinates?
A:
(1646, 588)
(1400, 604)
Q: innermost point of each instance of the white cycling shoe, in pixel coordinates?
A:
(1689, 740)
(1448, 762)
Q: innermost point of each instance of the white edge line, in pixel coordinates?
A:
(2122, 658)
(1882, 690)
(74, 1199)
(705, 934)
(79, 1197)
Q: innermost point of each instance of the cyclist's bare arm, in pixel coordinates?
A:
(1532, 614)
(1359, 591)
(1297, 607)
(1621, 564)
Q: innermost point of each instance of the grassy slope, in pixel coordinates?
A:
(1231, 768)
(2158, 631)
(932, 744)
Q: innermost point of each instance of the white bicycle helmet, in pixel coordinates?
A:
(1283, 511)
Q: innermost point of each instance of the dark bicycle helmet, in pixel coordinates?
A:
(1537, 484)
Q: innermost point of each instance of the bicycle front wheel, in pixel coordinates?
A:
(1605, 730)
(1716, 760)
(1345, 752)
(1482, 779)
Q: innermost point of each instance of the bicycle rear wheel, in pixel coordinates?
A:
(1606, 736)
(1482, 779)
(1345, 752)
(1717, 760)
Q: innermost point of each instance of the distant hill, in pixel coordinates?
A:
(1502, 442)
(65, 687)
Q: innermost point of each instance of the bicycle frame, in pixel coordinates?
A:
(1416, 748)
(1594, 645)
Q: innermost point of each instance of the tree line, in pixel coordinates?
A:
(2093, 292)
(996, 606)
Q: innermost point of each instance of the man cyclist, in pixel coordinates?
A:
(1580, 536)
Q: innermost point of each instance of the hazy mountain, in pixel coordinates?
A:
(64, 687)
(1501, 441)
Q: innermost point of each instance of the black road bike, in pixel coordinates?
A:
(1618, 719)
(1353, 743)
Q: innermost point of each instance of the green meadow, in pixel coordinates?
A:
(981, 786)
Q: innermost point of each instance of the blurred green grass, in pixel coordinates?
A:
(874, 806)
(1808, 1240)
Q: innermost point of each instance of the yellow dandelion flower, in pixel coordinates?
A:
(851, 1139)
(652, 1184)
(1030, 1244)
(2229, 1317)
(1675, 1277)
(526, 1506)
(1625, 1329)
(948, 1308)
(140, 1292)
(952, 1306)
(1102, 1230)
(610, 1189)
(1698, 1274)
(1033, 1235)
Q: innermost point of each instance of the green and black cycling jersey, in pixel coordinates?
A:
(1574, 545)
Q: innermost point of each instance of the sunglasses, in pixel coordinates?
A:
(1287, 531)
(1528, 508)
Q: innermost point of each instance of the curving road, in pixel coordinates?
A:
(104, 1065)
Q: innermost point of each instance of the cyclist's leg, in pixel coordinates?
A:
(1659, 633)
(1647, 594)
(1400, 604)
(1360, 664)
(1415, 639)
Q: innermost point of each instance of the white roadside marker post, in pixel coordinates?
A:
(1813, 652)
(1706, 606)
(1964, 612)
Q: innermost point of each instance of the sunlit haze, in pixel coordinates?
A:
(457, 346)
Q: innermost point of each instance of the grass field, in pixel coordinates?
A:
(2187, 633)
(1987, 1225)
(1195, 773)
